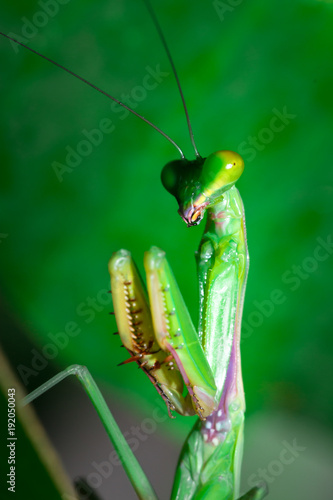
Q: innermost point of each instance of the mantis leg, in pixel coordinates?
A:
(132, 467)
(135, 327)
(176, 334)
(256, 493)
(160, 336)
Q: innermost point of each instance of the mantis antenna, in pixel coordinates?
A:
(99, 90)
(166, 48)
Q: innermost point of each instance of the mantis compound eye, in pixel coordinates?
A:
(169, 176)
(220, 171)
(175, 174)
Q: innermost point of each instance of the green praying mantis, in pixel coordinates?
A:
(195, 372)
(162, 337)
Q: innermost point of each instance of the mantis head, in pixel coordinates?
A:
(201, 183)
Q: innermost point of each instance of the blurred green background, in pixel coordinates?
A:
(240, 66)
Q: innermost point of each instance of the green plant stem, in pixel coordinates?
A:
(132, 467)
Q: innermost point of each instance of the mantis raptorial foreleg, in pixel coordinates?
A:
(166, 338)
(135, 327)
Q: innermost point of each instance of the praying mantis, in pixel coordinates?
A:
(160, 336)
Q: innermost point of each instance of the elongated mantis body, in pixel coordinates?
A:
(212, 369)
(222, 266)
(159, 334)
